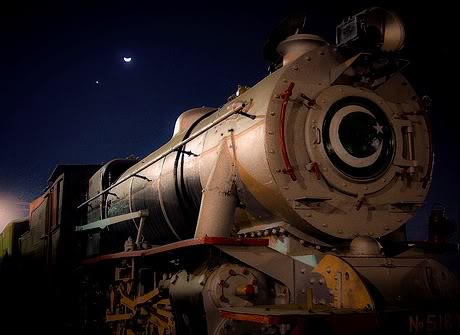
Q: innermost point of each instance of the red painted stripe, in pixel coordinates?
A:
(257, 318)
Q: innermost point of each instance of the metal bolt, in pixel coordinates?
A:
(331, 291)
(371, 233)
(328, 269)
(302, 242)
(312, 280)
(387, 228)
(277, 96)
(324, 225)
(296, 67)
(286, 187)
(302, 270)
(271, 151)
(270, 132)
(303, 291)
(308, 59)
(340, 231)
(336, 277)
(285, 80)
(321, 281)
(278, 170)
(308, 215)
(272, 113)
(365, 187)
(318, 247)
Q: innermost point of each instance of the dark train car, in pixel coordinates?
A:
(50, 244)
(46, 252)
(9, 244)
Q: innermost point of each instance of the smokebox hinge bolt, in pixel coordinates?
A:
(360, 201)
(313, 167)
(310, 102)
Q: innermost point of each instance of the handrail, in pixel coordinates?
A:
(288, 167)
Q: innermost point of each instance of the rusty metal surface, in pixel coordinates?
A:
(348, 289)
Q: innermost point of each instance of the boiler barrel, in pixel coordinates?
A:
(169, 189)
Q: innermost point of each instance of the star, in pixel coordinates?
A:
(97, 81)
(378, 128)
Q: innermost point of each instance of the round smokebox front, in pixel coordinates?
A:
(357, 138)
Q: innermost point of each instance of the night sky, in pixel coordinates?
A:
(53, 111)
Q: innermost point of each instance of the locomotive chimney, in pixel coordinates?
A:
(296, 45)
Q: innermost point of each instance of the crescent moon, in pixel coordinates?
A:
(127, 59)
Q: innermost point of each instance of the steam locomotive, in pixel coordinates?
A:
(281, 212)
